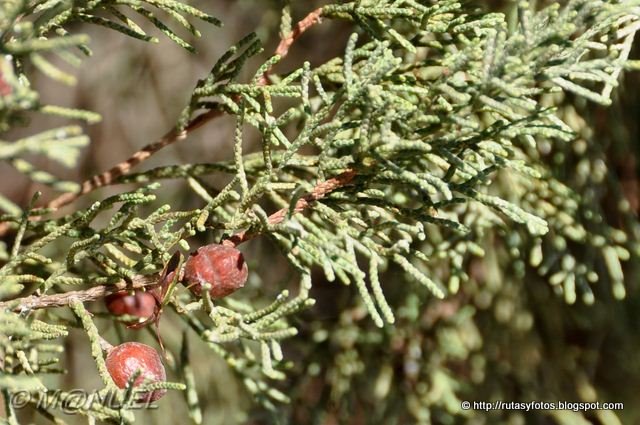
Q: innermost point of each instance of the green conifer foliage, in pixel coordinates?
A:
(443, 195)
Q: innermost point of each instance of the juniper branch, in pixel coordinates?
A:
(174, 135)
(320, 191)
(35, 302)
(287, 41)
(108, 177)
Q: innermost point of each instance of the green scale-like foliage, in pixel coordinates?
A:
(446, 118)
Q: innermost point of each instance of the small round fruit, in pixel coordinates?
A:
(141, 304)
(125, 359)
(221, 266)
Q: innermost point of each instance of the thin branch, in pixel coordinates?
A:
(310, 20)
(321, 190)
(285, 44)
(108, 177)
(34, 302)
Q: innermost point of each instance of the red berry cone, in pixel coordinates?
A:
(125, 359)
(141, 304)
(223, 267)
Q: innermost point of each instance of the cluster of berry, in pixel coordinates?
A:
(222, 267)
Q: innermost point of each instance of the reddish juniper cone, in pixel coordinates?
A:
(125, 359)
(221, 266)
(140, 304)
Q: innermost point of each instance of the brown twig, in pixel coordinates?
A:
(108, 177)
(321, 190)
(124, 167)
(34, 302)
(307, 22)
(285, 44)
